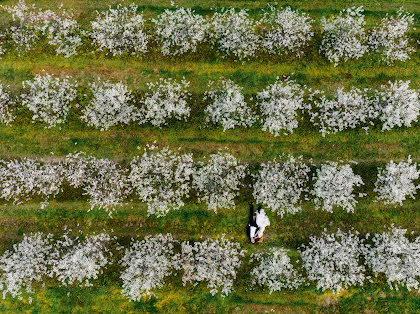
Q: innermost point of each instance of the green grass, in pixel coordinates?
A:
(251, 145)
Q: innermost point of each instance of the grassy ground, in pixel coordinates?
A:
(251, 145)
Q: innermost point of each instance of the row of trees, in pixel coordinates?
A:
(280, 107)
(164, 179)
(231, 32)
(331, 261)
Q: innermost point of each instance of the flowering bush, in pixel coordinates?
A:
(280, 103)
(288, 31)
(343, 36)
(275, 271)
(214, 261)
(120, 30)
(167, 99)
(346, 110)
(390, 37)
(21, 180)
(397, 181)
(279, 186)
(395, 256)
(147, 263)
(161, 179)
(102, 180)
(333, 261)
(233, 33)
(74, 260)
(180, 31)
(218, 180)
(25, 30)
(6, 103)
(25, 264)
(62, 31)
(228, 107)
(49, 98)
(398, 105)
(110, 106)
(334, 185)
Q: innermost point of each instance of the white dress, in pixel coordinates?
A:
(262, 221)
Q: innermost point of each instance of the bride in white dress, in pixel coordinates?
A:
(257, 228)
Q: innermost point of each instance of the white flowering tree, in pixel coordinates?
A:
(334, 261)
(288, 31)
(390, 37)
(394, 255)
(397, 181)
(110, 106)
(62, 31)
(218, 180)
(214, 261)
(120, 30)
(279, 185)
(398, 105)
(180, 31)
(343, 36)
(161, 177)
(49, 98)
(165, 99)
(234, 34)
(25, 30)
(228, 107)
(77, 261)
(102, 180)
(25, 264)
(275, 270)
(280, 104)
(334, 186)
(21, 180)
(6, 107)
(147, 263)
(346, 110)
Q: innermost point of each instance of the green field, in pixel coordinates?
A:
(251, 145)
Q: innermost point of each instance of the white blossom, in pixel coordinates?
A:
(110, 106)
(395, 256)
(275, 271)
(20, 180)
(25, 264)
(218, 180)
(397, 181)
(280, 185)
(25, 30)
(79, 261)
(280, 104)
(49, 98)
(166, 99)
(333, 261)
(288, 31)
(398, 105)
(234, 33)
(103, 180)
(343, 36)
(334, 185)
(147, 263)
(214, 261)
(6, 103)
(63, 32)
(228, 107)
(120, 30)
(344, 111)
(161, 178)
(390, 37)
(180, 31)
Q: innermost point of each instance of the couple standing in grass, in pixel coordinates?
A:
(257, 224)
